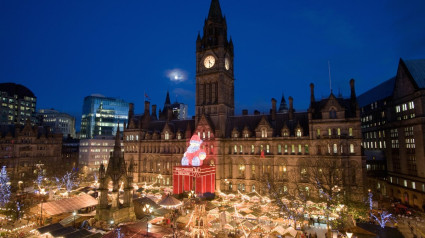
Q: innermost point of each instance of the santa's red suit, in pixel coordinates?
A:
(194, 155)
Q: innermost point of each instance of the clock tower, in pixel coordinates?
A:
(214, 71)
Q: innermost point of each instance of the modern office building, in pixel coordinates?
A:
(57, 122)
(247, 148)
(101, 116)
(17, 104)
(94, 152)
(393, 127)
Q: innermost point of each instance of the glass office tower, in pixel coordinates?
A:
(101, 116)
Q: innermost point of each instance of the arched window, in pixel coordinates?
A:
(351, 148)
(263, 133)
(167, 135)
(253, 188)
(332, 114)
(299, 133)
(335, 148)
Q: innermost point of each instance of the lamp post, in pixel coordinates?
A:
(42, 192)
(111, 222)
(147, 209)
(74, 213)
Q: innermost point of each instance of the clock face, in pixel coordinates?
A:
(209, 61)
(227, 63)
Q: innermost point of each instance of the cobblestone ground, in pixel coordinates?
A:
(411, 228)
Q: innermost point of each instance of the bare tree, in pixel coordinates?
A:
(291, 200)
(327, 176)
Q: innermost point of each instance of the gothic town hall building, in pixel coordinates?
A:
(244, 148)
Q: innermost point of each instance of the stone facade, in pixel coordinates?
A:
(244, 148)
(26, 148)
(392, 116)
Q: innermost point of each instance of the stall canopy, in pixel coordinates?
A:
(67, 205)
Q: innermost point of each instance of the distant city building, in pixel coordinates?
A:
(58, 122)
(176, 110)
(24, 149)
(17, 104)
(393, 127)
(94, 152)
(180, 110)
(101, 116)
(70, 152)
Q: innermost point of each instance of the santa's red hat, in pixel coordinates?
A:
(195, 139)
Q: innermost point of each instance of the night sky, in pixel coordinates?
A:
(66, 50)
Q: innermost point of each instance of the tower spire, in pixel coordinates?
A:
(215, 11)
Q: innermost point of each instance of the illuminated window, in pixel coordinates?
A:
(299, 148)
(236, 149)
(293, 148)
(413, 185)
(252, 149)
(397, 109)
(306, 149)
(209, 134)
(329, 131)
(279, 149)
(404, 107)
(339, 131)
(263, 133)
(286, 149)
(240, 149)
(351, 148)
(299, 133)
(335, 148)
(203, 135)
(179, 136)
(167, 136)
(411, 105)
(268, 148)
(318, 132)
(253, 188)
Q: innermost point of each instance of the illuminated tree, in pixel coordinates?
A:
(384, 218)
(4, 187)
(70, 180)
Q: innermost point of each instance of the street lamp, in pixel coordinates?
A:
(74, 213)
(111, 222)
(147, 209)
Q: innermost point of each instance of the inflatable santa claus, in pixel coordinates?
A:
(194, 155)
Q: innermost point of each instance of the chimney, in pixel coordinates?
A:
(244, 112)
(273, 109)
(154, 110)
(312, 93)
(130, 111)
(353, 92)
(291, 108)
(147, 105)
(256, 112)
(169, 114)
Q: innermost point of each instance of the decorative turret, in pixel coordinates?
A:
(283, 107)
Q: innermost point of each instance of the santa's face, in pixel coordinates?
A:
(193, 147)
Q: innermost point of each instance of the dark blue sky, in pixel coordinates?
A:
(66, 50)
